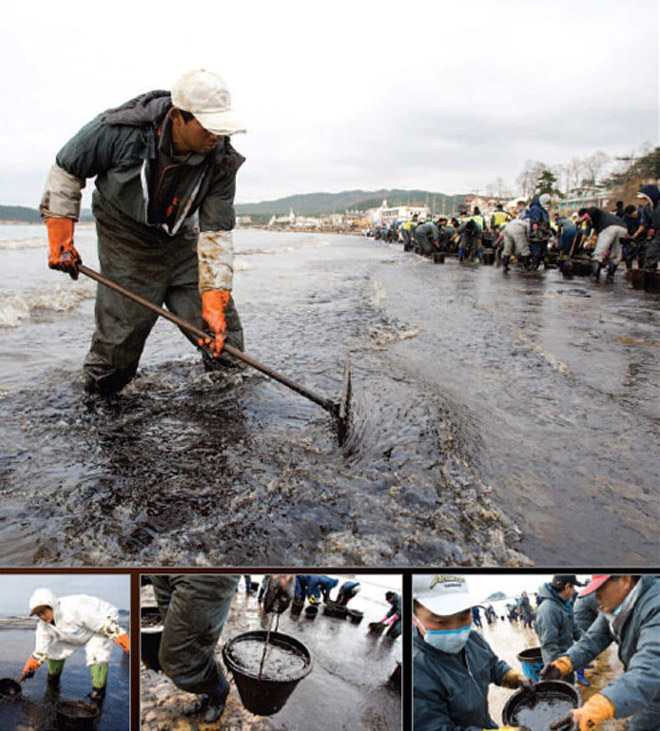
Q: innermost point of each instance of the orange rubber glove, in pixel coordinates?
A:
(31, 667)
(63, 254)
(213, 312)
(557, 668)
(594, 712)
(123, 642)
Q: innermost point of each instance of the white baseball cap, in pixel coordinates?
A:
(443, 594)
(205, 95)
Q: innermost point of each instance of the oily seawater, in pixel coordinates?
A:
(280, 663)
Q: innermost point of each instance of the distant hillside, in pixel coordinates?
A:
(23, 214)
(19, 213)
(314, 204)
(308, 204)
(496, 597)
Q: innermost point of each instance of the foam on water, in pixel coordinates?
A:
(17, 308)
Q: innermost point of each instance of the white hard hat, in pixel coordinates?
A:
(442, 594)
(205, 95)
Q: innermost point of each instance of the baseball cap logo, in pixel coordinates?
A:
(455, 580)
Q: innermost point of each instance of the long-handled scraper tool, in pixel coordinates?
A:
(340, 410)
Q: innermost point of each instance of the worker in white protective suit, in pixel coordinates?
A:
(68, 623)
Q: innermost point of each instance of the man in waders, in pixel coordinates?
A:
(453, 665)
(159, 160)
(67, 624)
(630, 616)
(194, 608)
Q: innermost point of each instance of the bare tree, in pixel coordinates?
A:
(594, 165)
(498, 189)
(528, 177)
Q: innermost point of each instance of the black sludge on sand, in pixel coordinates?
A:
(491, 420)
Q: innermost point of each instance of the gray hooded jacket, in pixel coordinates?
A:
(554, 624)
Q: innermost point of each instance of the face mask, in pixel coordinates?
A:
(449, 640)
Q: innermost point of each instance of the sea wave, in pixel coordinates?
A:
(26, 305)
(36, 242)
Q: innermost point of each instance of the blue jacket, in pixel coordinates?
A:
(636, 693)
(451, 691)
(536, 213)
(326, 584)
(554, 624)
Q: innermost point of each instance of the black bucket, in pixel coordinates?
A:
(296, 606)
(355, 615)
(311, 611)
(76, 716)
(540, 706)
(9, 689)
(638, 277)
(532, 662)
(151, 633)
(333, 609)
(264, 697)
(377, 628)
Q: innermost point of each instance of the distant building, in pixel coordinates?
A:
(585, 199)
(391, 214)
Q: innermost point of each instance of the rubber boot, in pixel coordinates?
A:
(213, 703)
(506, 262)
(579, 676)
(52, 694)
(611, 269)
(596, 266)
(98, 694)
(217, 701)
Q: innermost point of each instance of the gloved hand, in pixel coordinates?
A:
(556, 669)
(123, 642)
(213, 312)
(514, 679)
(63, 254)
(31, 667)
(596, 710)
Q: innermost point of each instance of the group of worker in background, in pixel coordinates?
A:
(454, 665)
(532, 234)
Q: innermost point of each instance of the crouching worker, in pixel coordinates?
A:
(453, 665)
(65, 625)
(630, 616)
(194, 608)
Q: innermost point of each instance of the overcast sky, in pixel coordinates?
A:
(443, 95)
(16, 589)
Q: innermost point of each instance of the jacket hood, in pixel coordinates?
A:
(43, 597)
(547, 592)
(652, 192)
(151, 108)
(144, 109)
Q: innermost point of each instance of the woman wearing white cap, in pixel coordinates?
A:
(71, 622)
(453, 665)
(630, 616)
